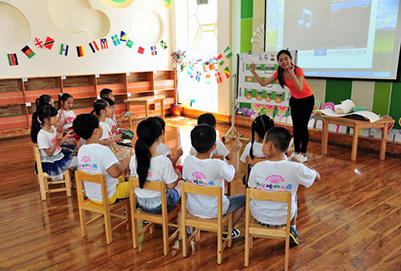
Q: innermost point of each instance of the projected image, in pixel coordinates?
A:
(337, 38)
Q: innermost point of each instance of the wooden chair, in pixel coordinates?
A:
(212, 224)
(44, 180)
(165, 218)
(254, 229)
(227, 187)
(105, 209)
(248, 162)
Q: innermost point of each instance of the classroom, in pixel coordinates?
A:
(225, 134)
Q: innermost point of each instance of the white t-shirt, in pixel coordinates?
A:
(96, 159)
(220, 150)
(278, 176)
(163, 149)
(45, 141)
(160, 170)
(206, 172)
(106, 131)
(110, 122)
(69, 116)
(257, 151)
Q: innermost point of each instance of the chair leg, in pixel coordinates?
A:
(152, 228)
(107, 226)
(230, 229)
(165, 238)
(184, 239)
(135, 237)
(41, 182)
(246, 260)
(180, 232)
(197, 236)
(219, 244)
(287, 252)
(84, 226)
(67, 178)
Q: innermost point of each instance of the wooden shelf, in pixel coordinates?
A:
(16, 115)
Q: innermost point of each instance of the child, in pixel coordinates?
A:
(209, 119)
(102, 110)
(109, 121)
(44, 99)
(149, 166)
(107, 93)
(55, 161)
(162, 148)
(200, 169)
(94, 158)
(67, 116)
(278, 174)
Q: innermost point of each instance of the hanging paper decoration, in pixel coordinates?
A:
(103, 44)
(227, 72)
(141, 50)
(281, 111)
(316, 107)
(93, 46)
(64, 49)
(211, 66)
(190, 70)
(329, 105)
(80, 51)
(129, 43)
(153, 50)
(220, 59)
(207, 79)
(49, 43)
(123, 36)
(198, 76)
(227, 52)
(166, 3)
(28, 51)
(218, 77)
(38, 43)
(163, 44)
(269, 110)
(116, 40)
(12, 59)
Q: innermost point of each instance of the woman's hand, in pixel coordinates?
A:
(252, 67)
(291, 70)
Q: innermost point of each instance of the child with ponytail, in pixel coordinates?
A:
(149, 166)
(67, 116)
(55, 161)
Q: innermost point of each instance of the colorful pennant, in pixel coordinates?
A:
(141, 50)
(227, 52)
(218, 77)
(129, 43)
(211, 66)
(103, 44)
(80, 51)
(123, 36)
(153, 50)
(49, 43)
(227, 72)
(12, 59)
(64, 49)
(220, 59)
(116, 40)
(28, 51)
(163, 44)
(38, 43)
(198, 76)
(93, 46)
(207, 79)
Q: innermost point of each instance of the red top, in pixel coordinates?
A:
(306, 91)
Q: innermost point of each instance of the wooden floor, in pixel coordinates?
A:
(348, 221)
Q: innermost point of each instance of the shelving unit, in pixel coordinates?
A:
(17, 96)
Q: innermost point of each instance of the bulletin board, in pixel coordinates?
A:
(250, 91)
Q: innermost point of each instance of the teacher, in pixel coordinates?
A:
(301, 102)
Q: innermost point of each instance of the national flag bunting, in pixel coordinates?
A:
(153, 49)
(103, 44)
(80, 51)
(218, 77)
(205, 65)
(227, 72)
(227, 52)
(129, 43)
(190, 70)
(12, 59)
(93, 46)
(49, 43)
(38, 43)
(220, 59)
(163, 44)
(28, 51)
(198, 76)
(123, 36)
(207, 79)
(116, 40)
(141, 50)
(64, 49)
(211, 66)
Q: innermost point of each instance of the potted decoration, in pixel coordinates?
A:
(179, 61)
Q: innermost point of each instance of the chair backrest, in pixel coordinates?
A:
(38, 160)
(248, 162)
(81, 176)
(213, 191)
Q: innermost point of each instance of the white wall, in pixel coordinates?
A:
(76, 23)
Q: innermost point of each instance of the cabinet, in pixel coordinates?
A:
(17, 96)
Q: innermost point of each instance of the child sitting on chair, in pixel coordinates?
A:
(201, 170)
(278, 174)
(220, 149)
(94, 158)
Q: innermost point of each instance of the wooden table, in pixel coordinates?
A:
(145, 100)
(356, 125)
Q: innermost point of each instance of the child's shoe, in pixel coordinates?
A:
(235, 233)
(294, 236)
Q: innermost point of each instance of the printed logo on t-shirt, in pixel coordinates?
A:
(69, 119)
(273, 183)
(199, 178)
(54, 140)
(150, 175)
(85, 164)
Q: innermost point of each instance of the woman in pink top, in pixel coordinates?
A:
(301, 101)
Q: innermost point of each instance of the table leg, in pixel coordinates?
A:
(147, 110)
(325, 136)
(383, 143)
(354, 147)
(162, 107)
